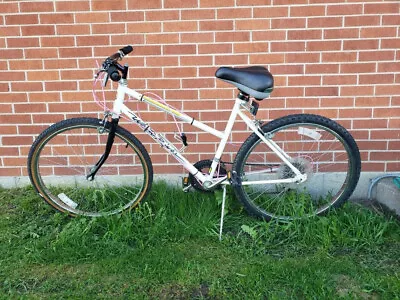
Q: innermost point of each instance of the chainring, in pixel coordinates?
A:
(204, 166)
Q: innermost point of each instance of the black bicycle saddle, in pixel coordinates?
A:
(255, 81)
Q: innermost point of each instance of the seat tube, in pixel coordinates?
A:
(227, 132)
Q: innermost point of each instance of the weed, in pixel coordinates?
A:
(168, 247)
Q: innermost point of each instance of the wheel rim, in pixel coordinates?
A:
(64, 159)
(314, 149)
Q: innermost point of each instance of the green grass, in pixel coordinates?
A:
(169, 248)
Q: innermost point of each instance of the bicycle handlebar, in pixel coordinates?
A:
(121, 53)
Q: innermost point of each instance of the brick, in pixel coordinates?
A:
(180, 26)
(163, 83)
(42, 75)
(162, 15)
(355, 113)
(288, 92)
(15, 119)
(9, 7)
(44, 97)
(339, 56)
(271, 12)
(287, 46)
(13, 98)
(72, 29)
(160, 38)
(10, 31)
(124, 39)
(149, 27)
(231, 59)
(92, 17)
(376, 32)
(324, 46)
(58, 64)
(23, 42)
(92, 40)
(212, 3)
(21, 19)
(179, 49)
(389, 66)
(109, 5)
(162, 61)
(60, 86)
(250, 47)
(350, 21)
(38, 30)
(356, 90)
(372, 101)
(302, 102)
(78, 6)
(61, 18)
(304, 80)
(339, 79)
(198, 83)
(126, 16)
(11, 53)
(390, 20)
(41, 53)
(358, 68)
(26, 86)
(361, 44)
(376, 78)
(198, 14)
(304, 34)
(57, 41)
(283, 23)
(322, 69)
(30, 107)
(390, 43)
(268, 58)
(307, 11)
(325, 22)
(234, 13)
(393, 89)
(381, 8)
(218, 25)
(302, 57)
(337, 102)
(322, 91)
(197, 37)
(342, 33)
(4, 87)
(345, 9)
(180, 4)
(75, 52)
(268, 35)
(36, 6)
(253, 2)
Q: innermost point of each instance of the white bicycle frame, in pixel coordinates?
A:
(119, 107)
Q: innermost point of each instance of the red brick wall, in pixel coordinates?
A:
(337, 58)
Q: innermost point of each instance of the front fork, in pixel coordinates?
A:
(110, 140)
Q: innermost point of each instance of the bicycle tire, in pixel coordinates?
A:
(62, 156)
(318, 147)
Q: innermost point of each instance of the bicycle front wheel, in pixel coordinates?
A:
(64, 154)
(318, 147)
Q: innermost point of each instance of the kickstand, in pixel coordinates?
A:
(222, 211)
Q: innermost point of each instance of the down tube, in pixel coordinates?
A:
(164, 143)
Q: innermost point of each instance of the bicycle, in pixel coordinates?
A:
(294, 166)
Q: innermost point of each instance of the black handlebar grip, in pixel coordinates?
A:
(126, 50)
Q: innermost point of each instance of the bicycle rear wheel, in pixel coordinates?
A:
(317, 147)
(63, 155)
